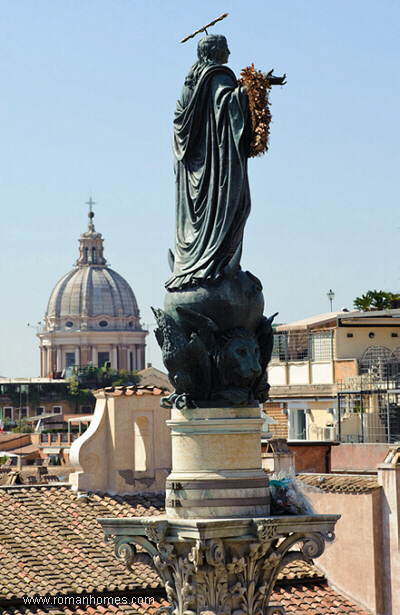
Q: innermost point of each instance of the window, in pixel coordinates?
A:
(69, 359)
(39, 410)
(103, 323)
(297, 424)
(322, 344)
(86, 410)
(94, 259)
(8, 413)
(21, 412)
(103, 357)
(69, 324)
(57, 409)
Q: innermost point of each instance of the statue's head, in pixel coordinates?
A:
(214, 48)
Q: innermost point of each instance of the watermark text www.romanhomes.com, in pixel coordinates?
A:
(87, 600)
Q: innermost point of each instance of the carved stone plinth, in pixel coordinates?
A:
(216, 464)
(220, 566)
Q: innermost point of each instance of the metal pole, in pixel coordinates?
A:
(362, 417)
(388, 416)
(339, 426)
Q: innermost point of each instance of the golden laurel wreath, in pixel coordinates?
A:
(257, 87)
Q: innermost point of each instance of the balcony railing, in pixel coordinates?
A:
(58, 439)
(303, 346)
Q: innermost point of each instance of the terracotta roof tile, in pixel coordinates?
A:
(67, 553)
(301, 600)
(131, 390)
(7, 437)
(339, 483)
(24, 450)
(51, 545)
(314, 599)
(299, 571)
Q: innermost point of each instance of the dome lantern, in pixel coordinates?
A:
(91, 243)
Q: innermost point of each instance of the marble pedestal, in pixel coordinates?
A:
(216, 464)
(220, 566)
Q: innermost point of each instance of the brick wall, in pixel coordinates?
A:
(274, 410)
(315, 458)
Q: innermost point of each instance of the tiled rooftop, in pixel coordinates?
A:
(7, 437)
(132, 390)
(310, 599)
(314, 599)
(338, 483)
(51, 545)
(28, 449)
(142, 608)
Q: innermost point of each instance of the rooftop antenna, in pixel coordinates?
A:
(204, 28)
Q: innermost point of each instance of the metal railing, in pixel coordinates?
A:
(303, 346)
(55, 439)
(349, 439)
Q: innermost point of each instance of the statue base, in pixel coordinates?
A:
(220, 566)
(216, 464)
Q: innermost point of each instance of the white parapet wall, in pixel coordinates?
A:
(127, 447)
(300, 373)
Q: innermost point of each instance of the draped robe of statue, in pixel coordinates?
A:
(212, 133)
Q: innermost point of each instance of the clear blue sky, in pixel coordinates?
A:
(88, 91)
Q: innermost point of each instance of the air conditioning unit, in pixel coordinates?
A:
(329, 433)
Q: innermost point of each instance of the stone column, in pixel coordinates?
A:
(94, 354)
(44, 362)
(114, 357)
(59, 359)
(217, 550)
(85, 354)
(135, 357)
(51, 355)
(123, 356)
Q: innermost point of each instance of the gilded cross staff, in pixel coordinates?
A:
(204, 29)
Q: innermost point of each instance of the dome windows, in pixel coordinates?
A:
(69, 324)
(103, 323)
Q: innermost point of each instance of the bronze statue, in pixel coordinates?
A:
(210, 300)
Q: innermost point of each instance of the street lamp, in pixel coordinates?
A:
(331, 296)
(37, 327)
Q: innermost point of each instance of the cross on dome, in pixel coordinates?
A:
(90, 202)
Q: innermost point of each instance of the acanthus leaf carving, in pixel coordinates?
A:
(220, 575)
(156, 530)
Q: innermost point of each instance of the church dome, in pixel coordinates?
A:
(92, 316)
(92, 291)
(92, 296)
